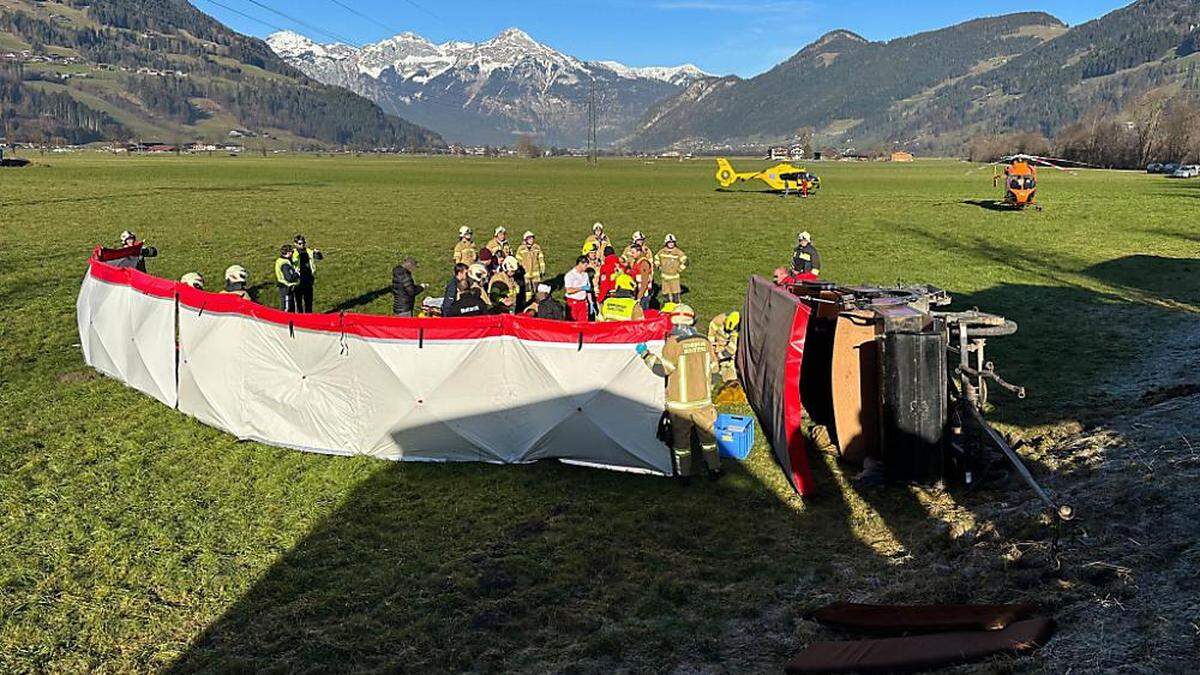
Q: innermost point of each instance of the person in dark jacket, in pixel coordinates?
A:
(470, 301)
(451, 292)
(544, 306)
(304, 259)
(806, 261)
(404, 289)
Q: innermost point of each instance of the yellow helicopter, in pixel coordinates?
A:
(782, 177)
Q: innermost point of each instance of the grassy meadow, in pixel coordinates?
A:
(132, 538)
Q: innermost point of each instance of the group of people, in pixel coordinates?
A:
(500, 277)
(601, 286)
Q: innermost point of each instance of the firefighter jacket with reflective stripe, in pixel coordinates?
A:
(534, 262)
(670, 262)
(465, 253)
(806, 259)
(496, 245)
(724, 342)
(687, 365)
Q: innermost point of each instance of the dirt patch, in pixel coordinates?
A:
(77, 376)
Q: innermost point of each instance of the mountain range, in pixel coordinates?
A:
(493, 91)
(80, 71)
(934, 90)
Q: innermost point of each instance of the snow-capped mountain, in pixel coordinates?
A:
(492, 91)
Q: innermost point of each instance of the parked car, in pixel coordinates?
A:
(1186, 171)
(1170, 167)
(1154, 168)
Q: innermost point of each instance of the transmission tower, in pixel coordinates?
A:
(592, 114)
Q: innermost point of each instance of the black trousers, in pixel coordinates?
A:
(287, 297)
(304, 298)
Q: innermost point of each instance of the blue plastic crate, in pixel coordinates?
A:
(735, 436)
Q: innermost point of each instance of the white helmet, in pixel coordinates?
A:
(477, 272)
(638, 236)
(683, 315)
(464, 231)
(669, 239)
(528, 234)
(598, 227)
(127, 235)
(511, 265)
(193, 279)
(501, 230)
(236, 274)
(804, 236)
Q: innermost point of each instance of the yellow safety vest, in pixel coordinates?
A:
(279, 276)
(618, 309)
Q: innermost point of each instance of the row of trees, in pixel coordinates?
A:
(1159, 127)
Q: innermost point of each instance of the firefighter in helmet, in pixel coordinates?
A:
(671, 261)
(723, 335)
(465, 251)
(686, 364)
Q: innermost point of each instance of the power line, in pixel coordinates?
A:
(244, 15)
(359, 14)
(301, 22)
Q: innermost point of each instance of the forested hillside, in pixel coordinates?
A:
(938, 90)
(842, 80)
(78, 71)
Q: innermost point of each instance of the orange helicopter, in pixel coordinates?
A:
(1020, 178)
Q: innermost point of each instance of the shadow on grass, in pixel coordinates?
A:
(548, 567)
(991, 205)
(544, 567)
(361, 300)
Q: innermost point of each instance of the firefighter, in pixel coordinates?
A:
(477, 277)
(464, 251)
(304, 259)
(236, 279)
(506, 275)
(686, 364)
(138, 262)
(806, 261)
(530, 255)
(193, 279)
(597, 238)
(287, 277)
(622, 303)
(637, 243)
(671, 261)
(723, 336)
(500, 242)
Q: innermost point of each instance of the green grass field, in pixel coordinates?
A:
(133, 538)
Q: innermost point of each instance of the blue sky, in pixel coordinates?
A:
(744, 37)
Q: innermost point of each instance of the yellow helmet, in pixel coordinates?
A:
(624, 282)
(668, 307)
(589, 247)
(732, 321)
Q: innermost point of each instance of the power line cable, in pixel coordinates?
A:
(242, 14)
(301, 22)
(359, 14)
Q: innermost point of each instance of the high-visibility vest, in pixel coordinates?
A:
(618, 309)
(280, 277)
(312, 260)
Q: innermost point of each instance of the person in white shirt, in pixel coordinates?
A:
(577, 286)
